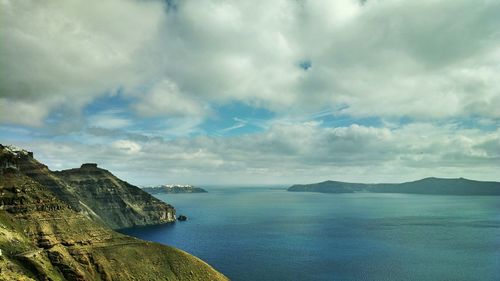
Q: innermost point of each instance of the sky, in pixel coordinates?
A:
(217, 92)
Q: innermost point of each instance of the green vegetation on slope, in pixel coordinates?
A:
(43, 238)
(99, 194)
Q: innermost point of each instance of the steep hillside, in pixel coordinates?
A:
(44, 238)
(116, 202)
(440, 186)
(95, 192)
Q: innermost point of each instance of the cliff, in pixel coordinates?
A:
(438, 186)
(94, 192)
(43, 237)
(116, 202)
(175, 188)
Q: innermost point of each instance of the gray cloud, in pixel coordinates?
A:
(424, 59)
(65, 54)
(429, 61)
(291, 153)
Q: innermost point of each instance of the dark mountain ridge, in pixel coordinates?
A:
(431, 185)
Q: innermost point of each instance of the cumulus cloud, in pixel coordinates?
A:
(288, 153)
(383, 58)
(63, 54)
(418, 67)
(129, 147)
(166, 99)
(379, 58)
(109, 119)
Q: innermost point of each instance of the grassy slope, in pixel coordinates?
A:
(41, 238)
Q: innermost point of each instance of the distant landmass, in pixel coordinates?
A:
(173, 188)
(438, 186)
(58, 226)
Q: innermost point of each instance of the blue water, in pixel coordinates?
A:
(270, 234)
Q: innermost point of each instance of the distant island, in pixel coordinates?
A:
(438, 186)
(173, 188)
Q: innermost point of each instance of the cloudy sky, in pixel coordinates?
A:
(254, 92)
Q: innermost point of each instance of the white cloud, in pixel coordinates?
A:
(109, 119)
(288, 153)
(129, 147)
(382, 58)
(432, 61)
(166, 99)
(239, 124)
(67, 53)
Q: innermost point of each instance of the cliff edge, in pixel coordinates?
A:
(116, 202)
(45, 237)
(93, 191)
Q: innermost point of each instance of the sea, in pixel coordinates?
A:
(270, 234)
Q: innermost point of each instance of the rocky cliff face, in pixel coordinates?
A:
(93, 192)
(43, 237)
(116, 202)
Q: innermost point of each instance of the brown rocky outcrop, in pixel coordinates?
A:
(116, 202)
(42, 237)
(92, 191)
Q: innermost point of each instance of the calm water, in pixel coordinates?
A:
(271, 234)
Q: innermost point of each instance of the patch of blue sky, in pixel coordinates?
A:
(58, 125)
(150, 126)
(18, 133)
(109, 101)
(116, 108)
(64, 124)
(305, 64)
(331, 117)
(473, 122)
(57, 116)
(346, 121)
(237, 118)
(405, 120)
(172, 5)
(11, 134)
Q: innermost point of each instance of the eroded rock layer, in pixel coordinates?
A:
(116, 202)
(44, 237)
(93, 191)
